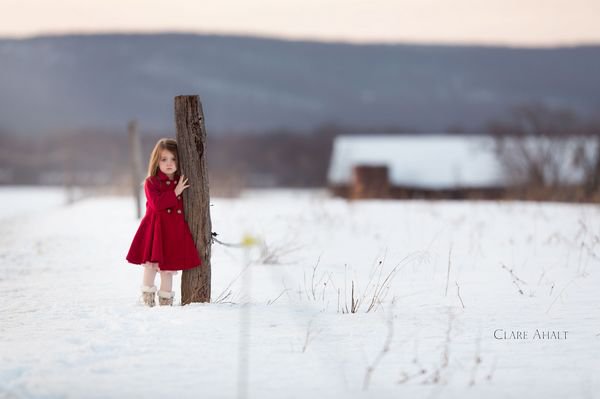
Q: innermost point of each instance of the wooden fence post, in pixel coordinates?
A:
(69, 170)
(135, 149)
(191, 143)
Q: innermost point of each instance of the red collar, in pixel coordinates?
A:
(163, 177)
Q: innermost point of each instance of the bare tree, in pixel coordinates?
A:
(547, 153)
(587, 157)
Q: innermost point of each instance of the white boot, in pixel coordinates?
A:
(166, 298)
(148, 295)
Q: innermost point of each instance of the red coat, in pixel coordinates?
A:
(164, 235)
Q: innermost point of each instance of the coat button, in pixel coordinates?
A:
(178, 210)
(168, 210)
(168, 182)
(179, 197)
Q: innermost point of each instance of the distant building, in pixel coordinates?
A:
(415, 166)
(426, 166)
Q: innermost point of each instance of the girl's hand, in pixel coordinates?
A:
(181, 185)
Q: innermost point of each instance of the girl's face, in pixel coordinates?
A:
(167, 163)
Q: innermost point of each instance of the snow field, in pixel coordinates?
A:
(71, 324)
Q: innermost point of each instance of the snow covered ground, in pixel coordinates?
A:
(72, 326)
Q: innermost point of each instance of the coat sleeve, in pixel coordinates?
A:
(159, 200)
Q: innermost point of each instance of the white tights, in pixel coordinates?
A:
(166, 278)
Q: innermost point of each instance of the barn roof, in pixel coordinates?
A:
(429, 161)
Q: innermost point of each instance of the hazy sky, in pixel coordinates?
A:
(512, 22)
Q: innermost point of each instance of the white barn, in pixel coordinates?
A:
(420, 166)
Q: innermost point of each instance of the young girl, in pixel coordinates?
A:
(163, 242)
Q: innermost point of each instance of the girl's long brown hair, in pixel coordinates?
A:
(162, 144)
